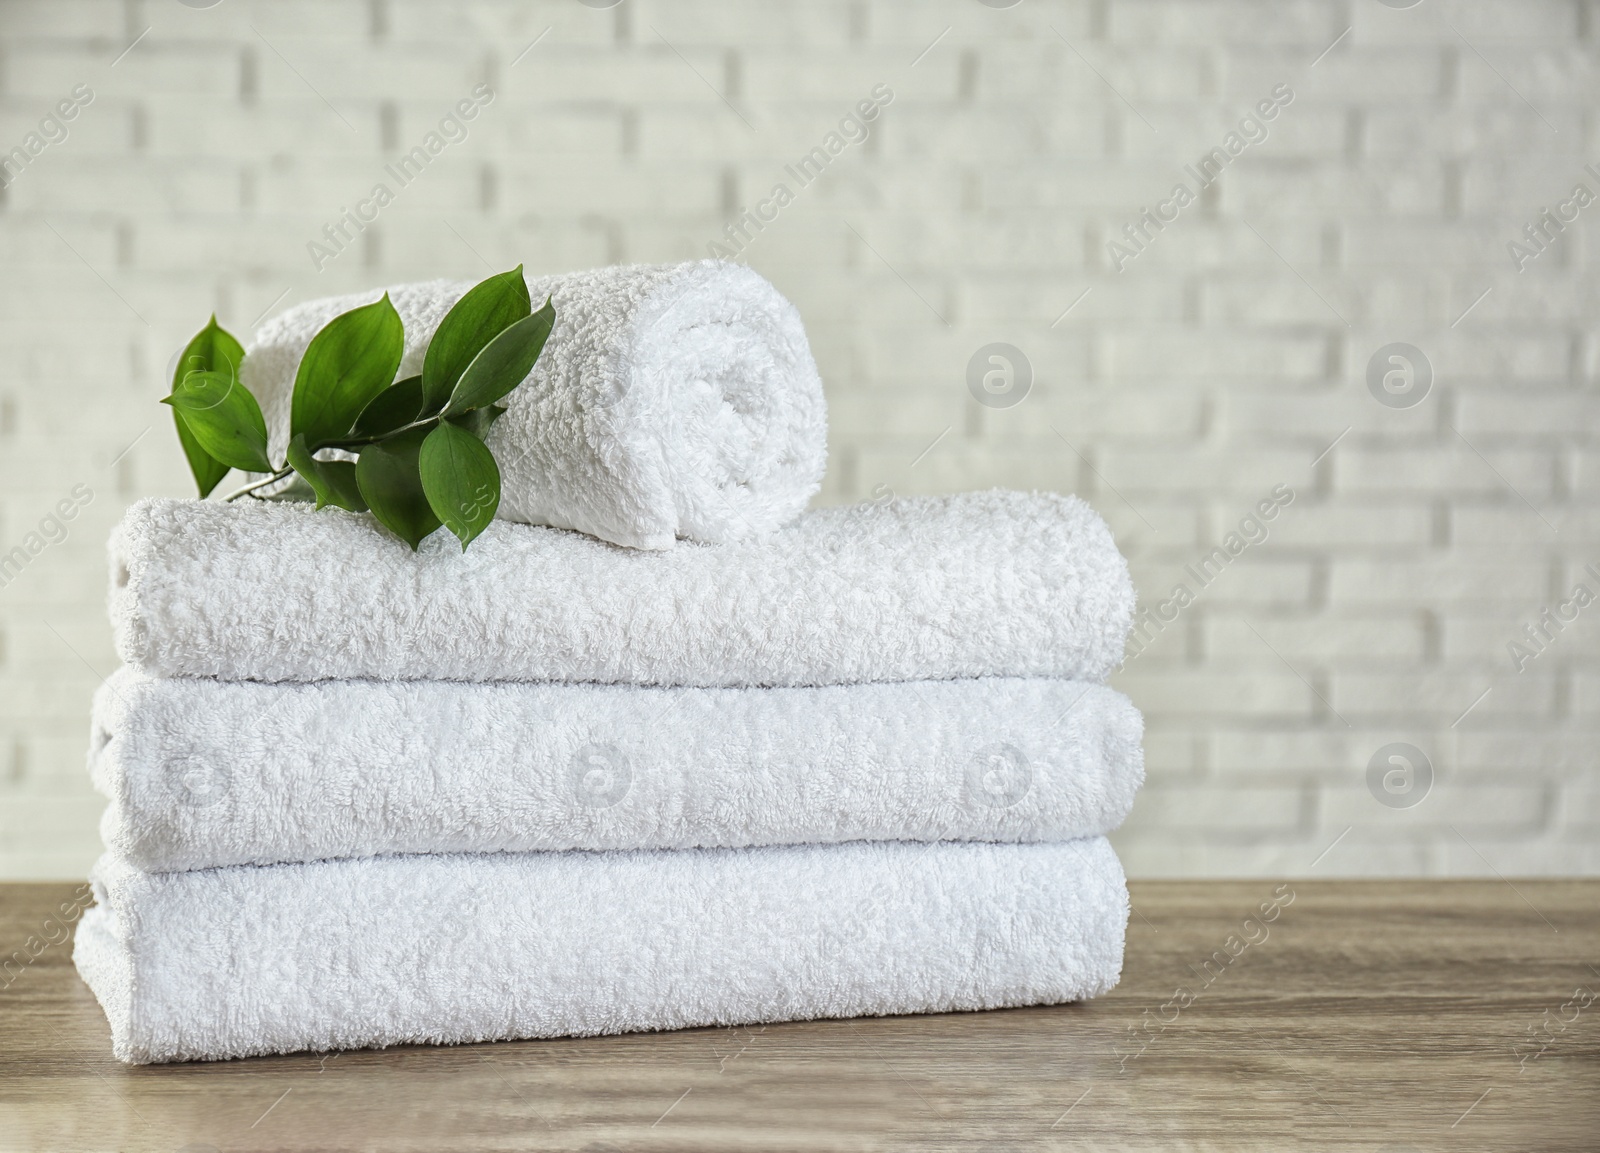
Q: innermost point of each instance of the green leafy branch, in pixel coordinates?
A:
(421, 461)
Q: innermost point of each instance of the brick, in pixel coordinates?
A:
(1458, 580)
(1170, 755)
(1585, 683)
(1516, 857)
(1258, 300)
(1244, 812)
(1488, 636)
(510, 27)
(1340, 642)
(1580, 806)
(1167, 854)
(913, 131)
(1185, 21)
(1540, 71)
(935, 473)
(1474, 806)
(1442, 695)
(1305, 754)
(1403, 131)
(1254, 476)
(69, 18)
(667, 131)
(1173, 693)
(1256, 583)
(1550, 752)
(766, 28)
(1321, 416)
(1531, 357)
(1456, 465)
(1387, 241)
(1250, 354)
(1404, 73)
(1587, 471)
(1352, 527)
(297, 22)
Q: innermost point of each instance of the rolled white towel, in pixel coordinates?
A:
(442, 949)
(931, 588)
(676, 400)
(203, 773)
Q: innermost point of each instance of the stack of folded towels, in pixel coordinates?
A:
(861, 764)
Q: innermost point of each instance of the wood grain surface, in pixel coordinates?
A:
(1399, 1015)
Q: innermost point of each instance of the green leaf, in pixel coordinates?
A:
(208, 470)
(347, 364)
(461, 480)
(224, 418)
(392, 409)
(334, 481)
(390, 479)
(477, 318)
(503, 364)
(213, 349)
(479, 420)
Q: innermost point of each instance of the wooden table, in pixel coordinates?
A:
(1369, 1015)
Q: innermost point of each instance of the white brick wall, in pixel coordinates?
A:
(1223, 360)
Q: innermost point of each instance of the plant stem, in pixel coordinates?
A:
(345, 445)
(362, 442)
(250, 488)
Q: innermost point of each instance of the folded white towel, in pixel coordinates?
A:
(978, 584)
(391, 950)
(204, 773)
(676, 400)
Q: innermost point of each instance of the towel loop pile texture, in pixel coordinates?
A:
(676, 400)
(864, 765)
(204, 773)
(567, 783)
(922, 588)
(437, 949)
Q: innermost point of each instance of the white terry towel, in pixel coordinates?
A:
(203, 773)
(441, 949)
(978, 584)
(676, 400)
